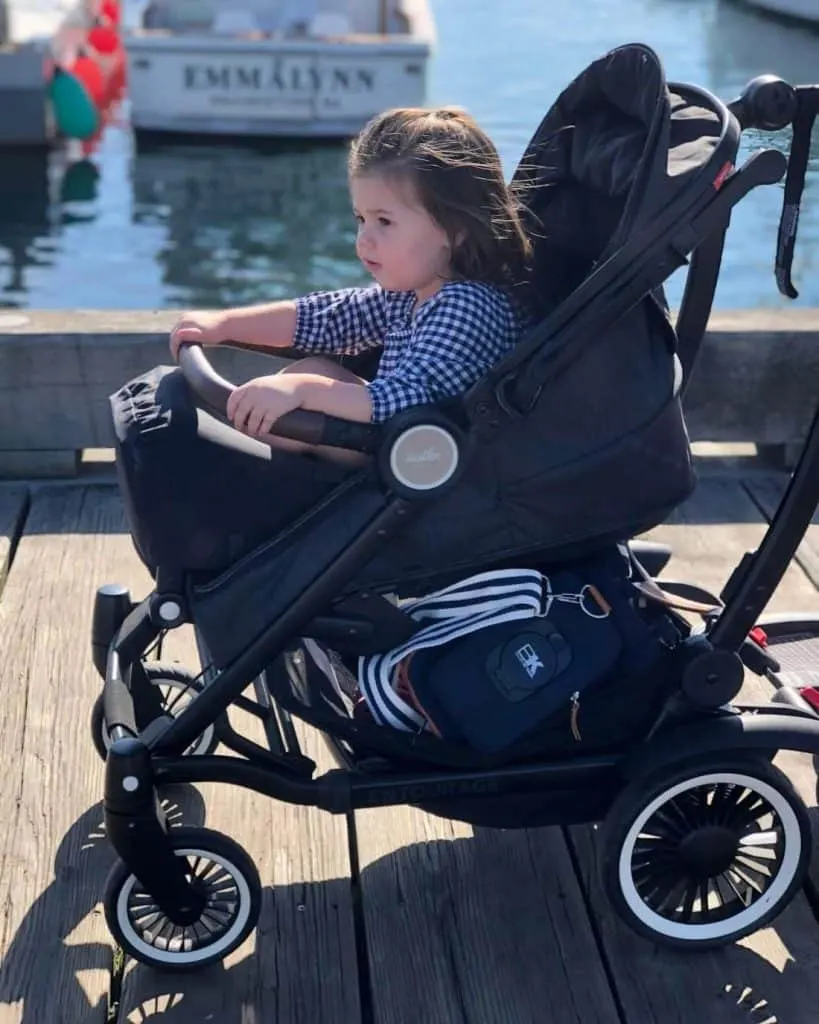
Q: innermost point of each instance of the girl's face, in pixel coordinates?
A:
(398, 242)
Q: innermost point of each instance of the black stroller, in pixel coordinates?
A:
(569, 448)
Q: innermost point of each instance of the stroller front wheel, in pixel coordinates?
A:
(177, 688)
(223, 873)
(700, 856)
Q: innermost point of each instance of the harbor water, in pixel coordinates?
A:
(181, 225)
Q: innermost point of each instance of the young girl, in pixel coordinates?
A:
(441, 235)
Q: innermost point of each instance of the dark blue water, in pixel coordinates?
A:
(211, 226)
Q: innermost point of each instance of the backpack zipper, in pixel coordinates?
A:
(574, 715)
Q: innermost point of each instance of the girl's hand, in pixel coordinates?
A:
(201, 327)
(254, 407)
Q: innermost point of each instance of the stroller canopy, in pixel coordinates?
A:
(612, 154)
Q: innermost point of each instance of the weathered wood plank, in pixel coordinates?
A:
(56, 956)
(770, 976)
(13, 501)
(55, 947)
(300, 965)
(714, 528)
(767, 492)
(475, 927)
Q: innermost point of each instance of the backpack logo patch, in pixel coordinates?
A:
(529, 659)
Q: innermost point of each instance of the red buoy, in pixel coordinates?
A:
(88, 71)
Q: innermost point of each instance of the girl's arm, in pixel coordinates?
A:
(269, 326)
(349, 401)
(254, 407)
(343, 321)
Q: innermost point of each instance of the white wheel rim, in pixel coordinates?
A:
(200, 744)
(792, 839)
(179, 957)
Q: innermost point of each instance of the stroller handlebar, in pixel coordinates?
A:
(770, 104)
(314, 428)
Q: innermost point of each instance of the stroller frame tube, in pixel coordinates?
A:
(339, 791)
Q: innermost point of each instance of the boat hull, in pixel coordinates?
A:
(206, 86)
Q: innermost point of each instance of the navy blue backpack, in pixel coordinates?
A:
(501, 653)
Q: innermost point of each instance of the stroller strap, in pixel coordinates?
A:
(654, 592)
(807, 99)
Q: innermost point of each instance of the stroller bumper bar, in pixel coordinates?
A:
(420, 453)
(311, 427)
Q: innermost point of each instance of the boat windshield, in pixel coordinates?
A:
(289, 18)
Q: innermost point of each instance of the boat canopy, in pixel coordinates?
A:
(281, 17)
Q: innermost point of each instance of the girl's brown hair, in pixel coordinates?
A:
(458, 177)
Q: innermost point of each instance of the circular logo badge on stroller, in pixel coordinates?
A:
(424, 457)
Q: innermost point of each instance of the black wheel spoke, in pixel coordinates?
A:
(672, 820)
(753, 883)
(147, 925)
(168, 928)
(226, 900)
(723, 803)
(758, 867)
(741, 892)
(687, 909)
(704, 889)
(218, 924)
(211, 873)
(658, 888)
(747, 811)
(762, 845)
(695, 806)
(674, 894)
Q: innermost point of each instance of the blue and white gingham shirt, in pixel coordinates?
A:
(451, 341)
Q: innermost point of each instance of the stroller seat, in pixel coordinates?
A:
(580, 440)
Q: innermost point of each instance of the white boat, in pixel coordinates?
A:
(42, 21)
(800, 10)
(274, 67)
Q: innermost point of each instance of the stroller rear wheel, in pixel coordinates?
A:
(700, 856)
(177, 688)
(225, 876)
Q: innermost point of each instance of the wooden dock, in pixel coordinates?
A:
(396, 918)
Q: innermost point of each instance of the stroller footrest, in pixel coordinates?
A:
(797, 651)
